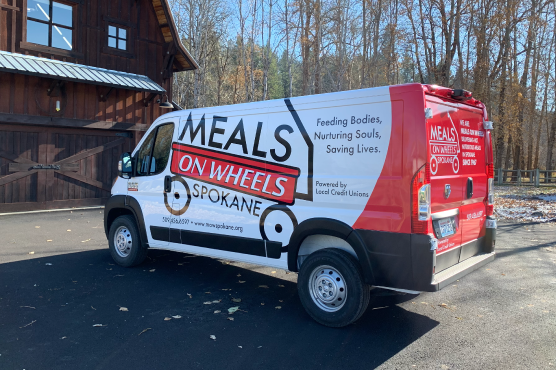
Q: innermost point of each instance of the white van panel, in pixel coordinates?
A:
(332, 148)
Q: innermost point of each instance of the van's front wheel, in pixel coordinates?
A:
(331, 288)
(124, 242)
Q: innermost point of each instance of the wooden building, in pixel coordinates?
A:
(80, 82)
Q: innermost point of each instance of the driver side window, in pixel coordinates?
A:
(152, 158)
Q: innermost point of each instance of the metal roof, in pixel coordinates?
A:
(55, 69)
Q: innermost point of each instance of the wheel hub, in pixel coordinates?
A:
(328, 289)
(123, 241)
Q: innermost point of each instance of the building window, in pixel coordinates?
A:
(117, 37)
(50, 23)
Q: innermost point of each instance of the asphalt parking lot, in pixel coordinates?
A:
(64, 304)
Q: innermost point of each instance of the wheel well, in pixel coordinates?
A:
(316, 242)
(114, 214)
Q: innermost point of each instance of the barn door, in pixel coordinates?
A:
(49, 168)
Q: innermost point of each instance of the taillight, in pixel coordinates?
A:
(490, 196)
(490, 171)
(421, 201)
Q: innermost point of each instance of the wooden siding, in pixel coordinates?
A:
(146, 43)
(28, 95)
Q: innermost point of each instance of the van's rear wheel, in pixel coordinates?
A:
(124, 242)
(331, 288)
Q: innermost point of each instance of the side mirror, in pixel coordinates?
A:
(125, 167)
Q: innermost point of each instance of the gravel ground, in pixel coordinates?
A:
(56, 285)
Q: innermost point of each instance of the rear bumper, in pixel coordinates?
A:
(408, 261)
(459, 270)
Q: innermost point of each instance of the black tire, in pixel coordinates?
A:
(135, 253)
(357, 293)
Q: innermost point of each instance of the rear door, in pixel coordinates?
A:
(458, 179)
(474, 177)
(446, 181)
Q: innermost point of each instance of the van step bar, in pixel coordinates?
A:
(459, 270)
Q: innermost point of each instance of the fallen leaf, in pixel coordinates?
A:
(217, 311)
(31, 252)
(208, 302)
(260, 347)
(63, 338)
(238, 275)
(213, 337)
(443, 305)
(49, 240)
(85, 241)
(281, 286)
(208, 293)
(37, 227)
(233, 309)
(237, 300)
(190, 296)
(263, 286)
(124, 309)
(167, 318)
(230, 318)
(176, 317)
(278, 307)
(98, 325)
(240, 346)
(144, 331)
(262, 304)
(280, 300)
(93, 308)
(218, 301)
(48, 264)
(153, 270)
(273, 272)
(241, 282)
(68, 230)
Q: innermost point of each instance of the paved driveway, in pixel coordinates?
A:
(56, 285)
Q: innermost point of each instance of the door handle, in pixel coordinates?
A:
(469, 187)
(167, 184)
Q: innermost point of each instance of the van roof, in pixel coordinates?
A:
(456, 95)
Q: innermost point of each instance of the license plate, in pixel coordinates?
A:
(446, 227)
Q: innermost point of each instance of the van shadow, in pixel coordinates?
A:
(49, 308)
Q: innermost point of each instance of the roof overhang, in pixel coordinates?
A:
(183, 60)
(54, 69)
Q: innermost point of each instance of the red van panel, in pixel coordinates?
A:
(456, 142)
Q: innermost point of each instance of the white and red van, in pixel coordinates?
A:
(388, 187)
